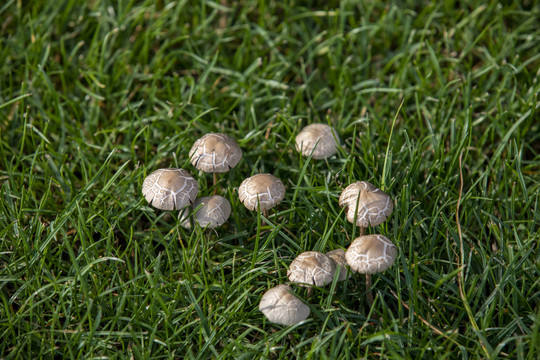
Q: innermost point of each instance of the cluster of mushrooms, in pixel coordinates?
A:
(365, 205)
(176, 189)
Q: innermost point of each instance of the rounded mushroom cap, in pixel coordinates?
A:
(320, 139)
(372, 205)
(170, 189)
(281, 306)
(338, 256)
(214, 212)
(215, 153)
(266, 188)
(313, 268)
(371, 254)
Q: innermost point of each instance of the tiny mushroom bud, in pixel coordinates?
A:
(338, 256)
(215, 153)
(312, 268)
(281, 306)
(370, 254)
(213, 211)
(266, 189)
(370, 205)
(170, 189)
(318, 139)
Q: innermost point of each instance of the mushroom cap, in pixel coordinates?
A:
(370, 254)
(266, 188)
(281, 306)
(214, 212)
(170, 189)
(340, 261)
(321, 137)
(215, 153)
(312, 268)
(374, 205)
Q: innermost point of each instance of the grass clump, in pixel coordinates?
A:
(96, 95)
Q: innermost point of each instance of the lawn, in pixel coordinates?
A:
(436, 103)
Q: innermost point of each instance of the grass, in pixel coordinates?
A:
(436, 103)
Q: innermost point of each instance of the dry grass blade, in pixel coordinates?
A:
(462, 266)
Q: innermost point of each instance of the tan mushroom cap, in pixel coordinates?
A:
(213, 212)
(170, 189)
(340, 261)
(319, 139)
(215, 153)
(312, 268)
(266, 188)
(281, 306)
(371, 254)
(374, 205)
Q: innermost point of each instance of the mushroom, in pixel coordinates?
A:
(312, 268)
(212, 211)
(370, 254)
(263, 191)
(281, 306)
(169, 189)
(366, 204)
(318, 140)
(215, 153)
(338, 256)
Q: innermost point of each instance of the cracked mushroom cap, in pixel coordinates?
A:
(374, 205)
(213, 212)
(340, 262)
(319, 139)
(281, 306)
(313, 268)
(266, 188)
(371, 254)
(215, 153)
(170, 189)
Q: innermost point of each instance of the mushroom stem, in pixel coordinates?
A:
(361, 230)
(265, 213)
(223, 17)
(215, 182)
(268, 129)
(368, 288)
(309, 292)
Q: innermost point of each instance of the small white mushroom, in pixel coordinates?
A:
(281, 306)
(266, 189)
(215, 153)
(170, 189)
(370, 254)
(312, 268)
(368, 204)
(213, 211)
(318, 140)
(340, 261)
